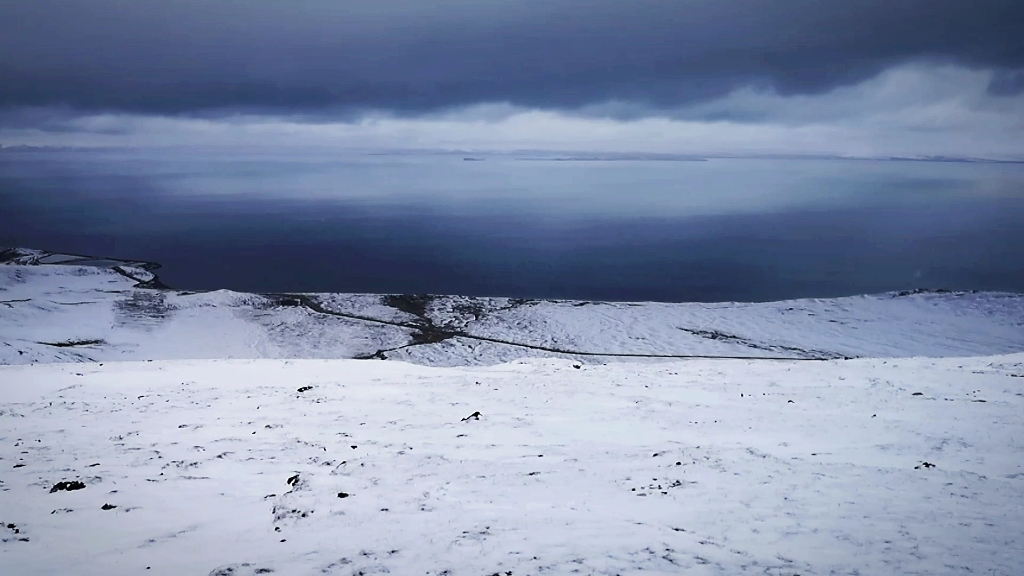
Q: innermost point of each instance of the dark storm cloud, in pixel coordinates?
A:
(412, 55)
(1007, 83)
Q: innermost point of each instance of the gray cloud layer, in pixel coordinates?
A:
(411, 56)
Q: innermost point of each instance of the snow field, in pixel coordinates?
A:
(697, 467)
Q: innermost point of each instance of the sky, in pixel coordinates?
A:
(854, 77)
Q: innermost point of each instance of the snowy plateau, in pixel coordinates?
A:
(146, 430)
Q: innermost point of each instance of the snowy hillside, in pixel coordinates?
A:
(242, 438)
(56, 308)
(345, 467)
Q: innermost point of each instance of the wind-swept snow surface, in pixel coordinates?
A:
(910, 466)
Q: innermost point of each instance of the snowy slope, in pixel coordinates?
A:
(930, 324)
(698, 467)
(247, 447)
(82, 309)
(45, 308)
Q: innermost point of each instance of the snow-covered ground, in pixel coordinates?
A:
(154, 431)
(73, 312)
(694, 467)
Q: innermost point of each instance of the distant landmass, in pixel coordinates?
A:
(584, 156)
(617, 158)
(948, 159)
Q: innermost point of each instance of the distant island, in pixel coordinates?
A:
(28, 148)
(959, 159)
(618, 158)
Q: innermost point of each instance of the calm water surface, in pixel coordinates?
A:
(729, 229)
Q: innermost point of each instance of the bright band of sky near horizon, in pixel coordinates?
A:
(913, 110)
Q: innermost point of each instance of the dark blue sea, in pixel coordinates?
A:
(513, 225)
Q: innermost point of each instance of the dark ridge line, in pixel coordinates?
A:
(73, 343)
(315, 306)
(721, 336)
(639, 355)
(154, 283)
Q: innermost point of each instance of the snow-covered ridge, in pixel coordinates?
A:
(137, 270)
(56, 308)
